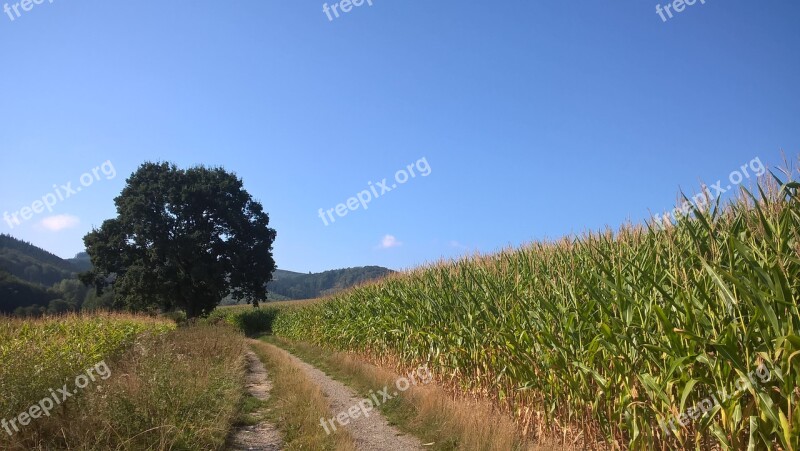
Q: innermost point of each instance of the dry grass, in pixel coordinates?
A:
(178, 391)
(41, 354)
(298, 404)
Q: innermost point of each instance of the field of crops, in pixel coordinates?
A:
(608, 335)
(41, 354)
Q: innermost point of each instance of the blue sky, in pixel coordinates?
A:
(537, 119)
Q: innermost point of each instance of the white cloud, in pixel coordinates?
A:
(458, 245)
(59, 222)
(389, 241)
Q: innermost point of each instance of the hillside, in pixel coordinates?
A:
(82, 261)
(15, 293)
(293, 285)
(32, 264)
(290, 285)
(35, 280)
(28, 275)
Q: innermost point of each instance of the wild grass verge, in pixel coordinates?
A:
(39, 354)
(296, 404)
(174, 391)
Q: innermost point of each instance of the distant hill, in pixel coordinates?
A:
(82, 261)
(15, 293)
(32, 264)
(31, 276)
(294, 285)
(284, 275)
(290, 285)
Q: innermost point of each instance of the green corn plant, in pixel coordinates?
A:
(612, 334)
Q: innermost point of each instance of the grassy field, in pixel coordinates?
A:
(136, 383)
(39, 354)
(610, 336)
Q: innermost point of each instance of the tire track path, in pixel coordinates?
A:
(263, 436)
(370, 433)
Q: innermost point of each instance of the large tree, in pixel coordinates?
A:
(182, 239)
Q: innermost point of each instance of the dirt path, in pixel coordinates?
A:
(263, 436)
(371, 433)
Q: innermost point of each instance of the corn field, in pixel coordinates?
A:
(608, 335)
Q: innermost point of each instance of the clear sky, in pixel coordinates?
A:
(536, 118)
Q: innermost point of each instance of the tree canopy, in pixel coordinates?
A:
(182, 239)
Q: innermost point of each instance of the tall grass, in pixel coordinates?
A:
(606, 335)
(175, 391)
(39, 354)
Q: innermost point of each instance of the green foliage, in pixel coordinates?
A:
(183, 239)
(30, 263)
(178, 316)
(18, 294)
(104, 301)
(612, 332)
(27, 299)
(59, 306)
(81, 261)
(31, 311)
(31, 278)
(251, 321)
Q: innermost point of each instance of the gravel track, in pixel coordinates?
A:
(371, 433)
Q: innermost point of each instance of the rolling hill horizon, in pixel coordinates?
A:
(29, 276)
